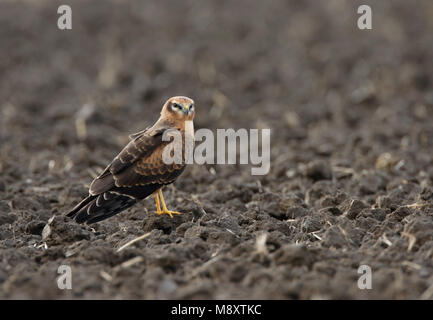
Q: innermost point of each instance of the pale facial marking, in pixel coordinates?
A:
(177, 107)
(182, 108)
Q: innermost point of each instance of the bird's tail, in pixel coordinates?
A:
(100, 207)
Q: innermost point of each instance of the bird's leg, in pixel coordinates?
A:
(158, 208)
(158, 197)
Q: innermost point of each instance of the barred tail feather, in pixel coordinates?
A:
(100, 207)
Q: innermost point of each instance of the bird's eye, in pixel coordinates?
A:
(191, 107)
(177, 106)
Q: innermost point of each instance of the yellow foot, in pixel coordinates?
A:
(169, 212)
(158, 197)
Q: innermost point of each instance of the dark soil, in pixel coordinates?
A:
(351, 114)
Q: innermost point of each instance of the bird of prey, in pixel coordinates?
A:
(139, 170)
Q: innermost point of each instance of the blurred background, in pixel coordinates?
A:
(346, 106)
(295, 67)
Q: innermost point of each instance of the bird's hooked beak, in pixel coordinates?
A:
(186, 109)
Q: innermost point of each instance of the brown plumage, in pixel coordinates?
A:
(139, 170)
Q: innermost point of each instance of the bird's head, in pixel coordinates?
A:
(180, 108)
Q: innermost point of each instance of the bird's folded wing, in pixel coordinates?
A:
(139, 133)
(144, 150)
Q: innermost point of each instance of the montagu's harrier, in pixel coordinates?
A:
(139, 169)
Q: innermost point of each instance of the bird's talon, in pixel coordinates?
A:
(169, 212)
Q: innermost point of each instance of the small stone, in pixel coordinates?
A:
(311, 224)
(376, 213)
(238, 273)
(385, 202)
(402, 212)
(332, 200)
(290, 200)
(296, 212)
(4, 207)
(294, 255)
(269, 204)
(180, 231)
(195, 232)
(319, 190)
(282, 208)
(7, 218)
(386, 161)
(333, 210)
(318, 170)
(364, 94)
(162, 223)
(426, 194)
(353, 208)
(334, 238)
(327, 201)
(371, 184)
(167, 286)
(421, 228)
(324, 267)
